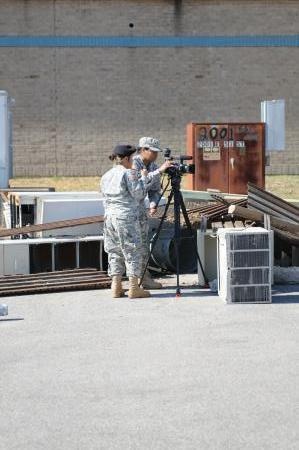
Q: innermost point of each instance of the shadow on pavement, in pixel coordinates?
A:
(288, 293)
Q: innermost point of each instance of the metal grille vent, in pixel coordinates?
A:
(249, 276)
(249, 241)
(249, 294)
(249, 259)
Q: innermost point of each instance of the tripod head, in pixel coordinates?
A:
(178, 168)
(175, 178)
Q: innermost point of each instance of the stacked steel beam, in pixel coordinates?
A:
(65, 280)
(267, 203)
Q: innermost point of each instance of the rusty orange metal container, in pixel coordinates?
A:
(226, 156)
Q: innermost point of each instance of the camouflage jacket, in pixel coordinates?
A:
(153, 185)
(123, 190)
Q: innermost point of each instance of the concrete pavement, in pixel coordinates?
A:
(83, 371)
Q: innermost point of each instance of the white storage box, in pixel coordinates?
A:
(55, 209)
(25, 256)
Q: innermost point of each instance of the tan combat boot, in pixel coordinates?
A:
(116, 287)
(135, 291)
(149, 283)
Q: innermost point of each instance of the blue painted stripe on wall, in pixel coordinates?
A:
(150, 41)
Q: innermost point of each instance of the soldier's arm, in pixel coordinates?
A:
(153, 176)
(154, 186)
(136, 184)
(154, 197)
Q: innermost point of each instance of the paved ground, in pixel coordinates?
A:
(82, 371)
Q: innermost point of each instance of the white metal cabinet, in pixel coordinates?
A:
(244, 265)
(51, 210)
(207, 251)
(15, 257)
(1, 259)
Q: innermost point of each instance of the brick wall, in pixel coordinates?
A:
(74, 104)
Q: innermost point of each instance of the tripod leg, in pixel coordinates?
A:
(177, 237)
(188, 223)
(157, 235)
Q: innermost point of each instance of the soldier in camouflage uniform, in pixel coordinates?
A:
(123, 189)
(149, 149)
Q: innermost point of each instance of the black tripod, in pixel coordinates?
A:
(179, 205)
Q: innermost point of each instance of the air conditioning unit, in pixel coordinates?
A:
(244, 265)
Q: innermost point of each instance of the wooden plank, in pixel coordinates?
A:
(228, 224)
(239, 224)
(217, 224)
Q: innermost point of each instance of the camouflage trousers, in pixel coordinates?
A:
(124, 244)
(144, 227)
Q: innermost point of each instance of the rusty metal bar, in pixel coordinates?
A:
(57, 284)
(57, 288)
(211, 209)
(202, 209)
(49, 277)
(51, 226)
(221, 210)
(47, 282)
(57, 273)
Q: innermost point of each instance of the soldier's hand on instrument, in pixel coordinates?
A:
(144, 172)
(152, 211)
(165, 166)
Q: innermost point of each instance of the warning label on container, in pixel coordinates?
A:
(211, 153)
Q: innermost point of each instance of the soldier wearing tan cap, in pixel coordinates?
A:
(148, 151)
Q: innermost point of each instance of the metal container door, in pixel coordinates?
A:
(246, 158)
(210, 154)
